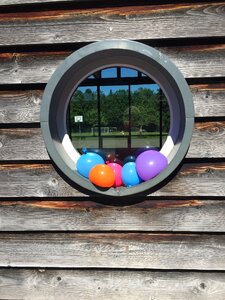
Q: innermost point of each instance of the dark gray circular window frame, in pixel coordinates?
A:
(104, 54)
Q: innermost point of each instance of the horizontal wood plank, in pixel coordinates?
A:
(19, 2)
(20, 106)
(149, 215)
(208, 140)
(41, 180)
(209, 100)
(22, 144)
(91, 2)
(27, 144)
(38, 180)
(24, 106)
(110, 284)
(113, 250)
(37, 67)
(133, 22)
(9, 3)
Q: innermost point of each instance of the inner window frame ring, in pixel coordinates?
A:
(101, 55)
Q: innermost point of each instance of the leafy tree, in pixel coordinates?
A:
(114, 109)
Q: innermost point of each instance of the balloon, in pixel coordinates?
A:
(99, 152)
(124, 152)
(117, 161)
(129, 174)
(87, 161)
(129, 158)
(117, 169)
(145, 148)
(150, 163)
(112, 157)
(102, 175)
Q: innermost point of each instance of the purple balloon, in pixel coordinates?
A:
(150, 163)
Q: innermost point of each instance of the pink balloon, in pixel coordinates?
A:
(117, 169)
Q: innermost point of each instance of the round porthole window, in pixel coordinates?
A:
(117, 118)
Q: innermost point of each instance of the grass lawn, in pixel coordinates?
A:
(117, 140)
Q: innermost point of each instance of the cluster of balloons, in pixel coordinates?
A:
(108, 171)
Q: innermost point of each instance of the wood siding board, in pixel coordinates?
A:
(41, 180)
(20, 106)
(134, 22)
(113, 250)
(27, 143)
(208, 140)
(209, 100)
(91, 2)
(19, 2)
(22, 144)
(24, 106)
(107, 284)
(28, 68)
(149, 215)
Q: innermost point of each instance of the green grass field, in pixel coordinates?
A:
(117, 140)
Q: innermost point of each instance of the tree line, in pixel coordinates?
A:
(114, 110)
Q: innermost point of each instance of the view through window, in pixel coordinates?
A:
(120, 110)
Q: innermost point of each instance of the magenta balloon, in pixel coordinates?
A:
(150, 163)
(117, 169)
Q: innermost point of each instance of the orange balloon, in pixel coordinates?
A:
(102, 175)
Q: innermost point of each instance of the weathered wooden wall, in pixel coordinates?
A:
(57, 243)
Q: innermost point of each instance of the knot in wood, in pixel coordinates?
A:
(209, 171)
(53, 182)
(202, 285)
(215, 129)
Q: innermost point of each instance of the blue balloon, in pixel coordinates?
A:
(99, 152)
(87, 161)
(129, 174)
(129, 158)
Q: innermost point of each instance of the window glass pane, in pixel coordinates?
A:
(114, 101)
(145, 126)
(83, 118)
(119, 118)
(109, 73)
(127, 72)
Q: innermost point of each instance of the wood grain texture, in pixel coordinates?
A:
(9, 3)
(104, 284)
(65, 2)
(22, 144)
(209, 100)
(113, 250)
(18, 2)
(149, 215)
(208, 140)
(134, 22)
(20, 106)
(37, 67)
(41, 180)
(89, 2)
(24, 106)
(27, 144)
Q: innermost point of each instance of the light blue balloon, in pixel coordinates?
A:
(129, 174)
(87, 161)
